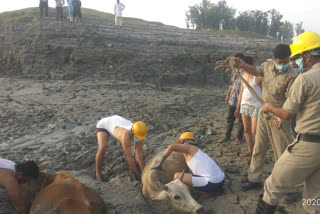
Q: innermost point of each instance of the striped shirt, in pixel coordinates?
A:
(236, 85)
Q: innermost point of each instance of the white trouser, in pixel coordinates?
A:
(118, 20)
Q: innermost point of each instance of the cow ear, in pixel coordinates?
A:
(161, 196)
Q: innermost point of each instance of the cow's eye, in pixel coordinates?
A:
(176, 197)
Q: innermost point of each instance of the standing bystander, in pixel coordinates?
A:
(249, 106)
(43, 5)
(278, 76)
(232, 100)
(76, 10)
(70, 10)
(118, 8)
(59, 8)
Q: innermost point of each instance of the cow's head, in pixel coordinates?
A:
(177, 194)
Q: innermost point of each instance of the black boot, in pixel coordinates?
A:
(292, 197)
(251, 185)
(264, 208)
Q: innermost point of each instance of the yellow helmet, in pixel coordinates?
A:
(186, 136)
(139, 129)
(305, 42)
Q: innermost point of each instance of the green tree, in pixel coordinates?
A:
(286, 31)
(209, 15)
(245, 21)
(227, 15)
(261, 22)
(253, 21)
(275, 23)
(194, 17)
(299, 28)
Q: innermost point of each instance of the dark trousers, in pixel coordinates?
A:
(230, 121)
(59, 13)
(43, 5)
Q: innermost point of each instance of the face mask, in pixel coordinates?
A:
(136, 139)
(296, 69)
(282, 67)
(299, 62)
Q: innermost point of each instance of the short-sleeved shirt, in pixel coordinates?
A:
(235, 90)
(7, 164)
(275, 85)
(304, 99)
(110, 123)
(203, 165)
(59, 3)
(118, 7)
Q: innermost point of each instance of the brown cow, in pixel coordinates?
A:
(158, 184)
(61, 193)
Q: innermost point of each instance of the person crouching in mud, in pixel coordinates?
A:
(125, 131)
(206, 175)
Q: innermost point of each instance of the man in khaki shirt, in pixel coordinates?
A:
(301, 160)
(277, 79)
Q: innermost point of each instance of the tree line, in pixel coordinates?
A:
(207, 15)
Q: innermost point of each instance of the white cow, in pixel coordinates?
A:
(158, 184)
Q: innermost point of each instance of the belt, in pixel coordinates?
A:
(309, 138)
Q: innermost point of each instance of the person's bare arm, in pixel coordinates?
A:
(259, 80)
(186, 149)
(236, 113)
(252, 69)
(126, 145)
(278, 111)
(189, 150)
(18, 196)
(138, 147)
(228, 94)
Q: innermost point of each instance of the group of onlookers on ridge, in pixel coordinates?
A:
(286, 94)
(74, 10)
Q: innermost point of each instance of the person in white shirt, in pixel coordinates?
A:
(206, 175)
(248, 106)
(125, 131)
(11, 176)
(59, 8)
(118, 8)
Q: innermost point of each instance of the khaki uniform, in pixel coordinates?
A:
(301, 160)
(275, 87)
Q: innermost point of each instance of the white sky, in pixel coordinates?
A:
(172, 12)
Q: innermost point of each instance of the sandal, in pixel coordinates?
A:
(226, 143)
(222, 140)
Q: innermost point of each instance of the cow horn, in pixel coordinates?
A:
(44, 163)
(182, 174)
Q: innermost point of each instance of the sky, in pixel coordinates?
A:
(172, 12)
